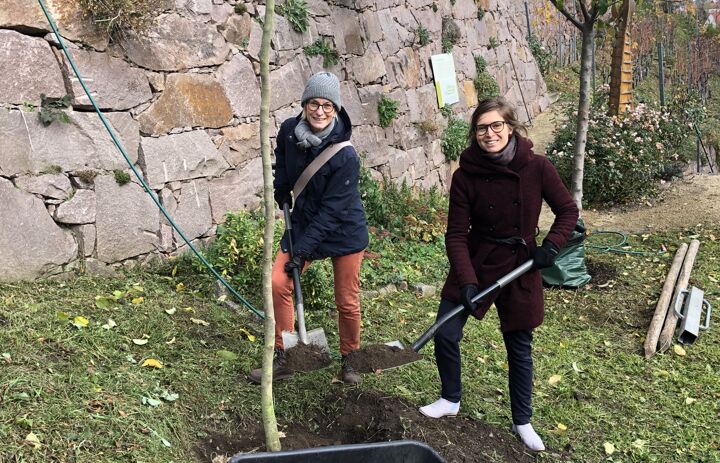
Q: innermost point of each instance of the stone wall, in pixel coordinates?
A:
(184, 98)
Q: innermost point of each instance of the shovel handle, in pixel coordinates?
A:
(501, 282)
(299, 304)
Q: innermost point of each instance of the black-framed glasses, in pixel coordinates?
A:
(496, 127)
(314, 105)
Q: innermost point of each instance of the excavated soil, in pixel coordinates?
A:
(378, 357)
(354, 416)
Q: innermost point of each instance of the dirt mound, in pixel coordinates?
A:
(353, 416)
(378, 357)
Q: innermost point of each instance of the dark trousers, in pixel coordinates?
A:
(518, 345)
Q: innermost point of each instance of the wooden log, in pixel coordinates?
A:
(663, 302)
(668, 330)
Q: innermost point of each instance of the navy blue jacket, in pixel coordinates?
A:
(328, 218)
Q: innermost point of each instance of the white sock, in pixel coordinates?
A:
(529, 437)
(440, 408)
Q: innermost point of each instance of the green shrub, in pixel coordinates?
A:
(116, 16)
(486, 86)
(480, 14)
(52, 109)
(493, 43)
(240, 8)
(121, 177)
(542, 55)
(296, 12)
(401, 211)
(626, 157)
(450, 34)
(387, 110)
(454, 139)
(480, 64)
(423, 36)
(323, 48)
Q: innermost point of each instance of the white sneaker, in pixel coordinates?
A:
(440, 408)
(529, 437)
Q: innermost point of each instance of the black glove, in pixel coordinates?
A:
(283, 196)
(297, 262)
(545, 255)
(467, 292)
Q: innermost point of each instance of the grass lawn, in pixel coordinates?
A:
(142, 368)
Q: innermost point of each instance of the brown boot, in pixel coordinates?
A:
(348, 375)
(279, 369)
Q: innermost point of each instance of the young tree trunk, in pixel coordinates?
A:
(272, 437)
(588, 37)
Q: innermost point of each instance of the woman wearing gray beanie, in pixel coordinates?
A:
(328, 219)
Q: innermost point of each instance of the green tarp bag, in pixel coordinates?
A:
(569, 270)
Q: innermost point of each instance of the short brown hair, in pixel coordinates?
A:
(502, 106)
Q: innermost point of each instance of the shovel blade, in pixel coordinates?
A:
(315, 337)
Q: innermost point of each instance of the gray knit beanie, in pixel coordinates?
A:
(323, 85)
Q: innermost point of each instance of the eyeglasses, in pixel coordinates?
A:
(314, 105)
(496, 127)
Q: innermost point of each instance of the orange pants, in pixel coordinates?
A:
(346, 273)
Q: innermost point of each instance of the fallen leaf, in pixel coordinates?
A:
(576, 368)
(138, 300)
(33, 440)
(554, 379)
(689, 400)
(110, 324)
(561, 427)
(151, 402)
(169, 396)
(63, 316)
(250, 337)
(609, 448)
(227, 355)
(7, 357)
(140, 342)
(639, 443)
(199, 321)
(80, 322)
(180, 287)
(172, 341)
(678, 349)
(170, 311)
(104, 302)
(152, 363)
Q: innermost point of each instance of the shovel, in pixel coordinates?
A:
(316, 336)
(430, 333)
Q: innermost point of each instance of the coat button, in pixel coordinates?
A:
(516, 227)
(514, 251)
(491, 206)
(516, 203)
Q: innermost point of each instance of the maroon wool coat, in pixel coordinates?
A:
(490, 200)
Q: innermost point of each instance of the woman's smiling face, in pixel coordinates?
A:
(491, 141)
(316, 113)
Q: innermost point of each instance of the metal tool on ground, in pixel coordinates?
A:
(500, 283)
(689, 310)
(317, 336)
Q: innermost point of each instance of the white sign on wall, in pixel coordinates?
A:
(446, 86)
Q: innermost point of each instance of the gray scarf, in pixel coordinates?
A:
(307, 138)
(505, 156)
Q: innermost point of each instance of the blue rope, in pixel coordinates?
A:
(137, 174)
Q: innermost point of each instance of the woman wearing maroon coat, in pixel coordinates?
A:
(495, 200)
